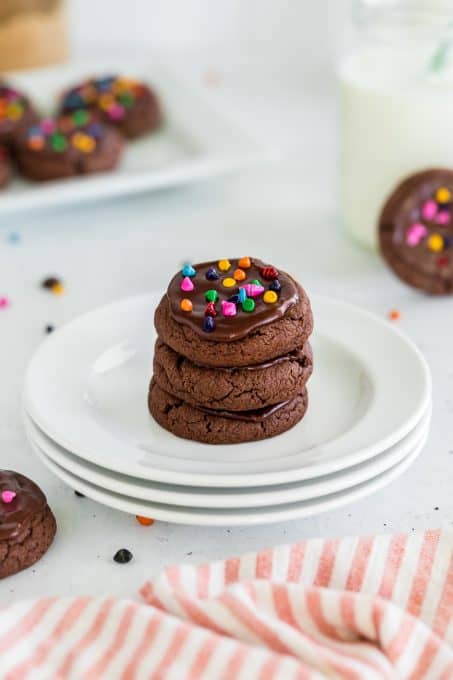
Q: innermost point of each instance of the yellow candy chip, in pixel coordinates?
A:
(435, 243)
(106, 100)
(443, 195)
(270, 296)
(229, 283)
(14, 111)
(83, 142)
(224, 265)
(57, 289)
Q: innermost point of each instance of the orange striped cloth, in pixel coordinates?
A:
(373, 608)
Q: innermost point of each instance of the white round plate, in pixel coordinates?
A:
(223, 516)
(245, 497)
(86, 388)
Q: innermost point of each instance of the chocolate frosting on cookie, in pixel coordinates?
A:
(256, 415)
(416, 231)
(252, 275)
(28, 501)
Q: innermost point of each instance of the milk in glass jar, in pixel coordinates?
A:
(396, 101)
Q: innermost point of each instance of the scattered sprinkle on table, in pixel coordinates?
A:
(4, 302)
(123, 556)
(394, 315)
(53, 284)
(13, 237)
(80, 495)
(144, 521)
(49, 328)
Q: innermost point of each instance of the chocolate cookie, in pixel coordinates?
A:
(75, 144)
(5, 167)
(128, 104)
(233, 389)
(27, 525)
(416, 231)
(16, 114)
(233, 313)
(224, 427)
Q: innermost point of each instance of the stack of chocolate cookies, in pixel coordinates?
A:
(232, 357)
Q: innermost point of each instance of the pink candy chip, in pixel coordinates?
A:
(4, 302)
(253, 290)
(187, 285)
(48, 126)
(429, 210)
(415, 234)
(116, 112)
(443, 217)
(228, 308)
(8, 496)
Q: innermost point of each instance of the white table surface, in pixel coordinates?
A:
(284, 213)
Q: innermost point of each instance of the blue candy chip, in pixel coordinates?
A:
(212, 274)
(208, 324)
(235, 299)
(275, 285)
(95, 130)
(242, 294)
(188, 270)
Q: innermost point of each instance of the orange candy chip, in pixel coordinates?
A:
(244, 263)
(36, 143)
(145, 521)
(239, 275)
(394, 315)
(186, 305)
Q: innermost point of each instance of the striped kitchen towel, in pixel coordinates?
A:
(373, 608)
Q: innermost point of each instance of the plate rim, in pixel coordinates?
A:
(229, 479)
(208, 518)
(254, 496)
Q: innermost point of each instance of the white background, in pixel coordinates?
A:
(285, 212)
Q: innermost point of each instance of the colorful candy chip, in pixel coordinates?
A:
(242, 294)
(224, 265)
(270, 297)
(80, 117)
(443, 195)
(429, 210)
(186, 305)
(248, 305)
(244, 263)
(83, 142)
(275, 285)
(239, 275)
(435, 243)
(187, 285)
(8, 496)
(228, 308)
(144, 521)
(269, 273)
(212, 274)
(59, 142)
(208, 324)
(211, 295)
(188, 270)
(253, 290)
(210, 309)
(415, 234)
(229, 282)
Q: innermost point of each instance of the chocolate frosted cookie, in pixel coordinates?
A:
(16, 114)
(5, 167)
(233, 313)
(212, 426)
(416, 231)
(234, 389)
(27, 525)
(128, 104)
(76, 144)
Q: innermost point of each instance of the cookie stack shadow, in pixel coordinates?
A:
(243, 385)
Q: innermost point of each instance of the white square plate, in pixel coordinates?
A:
(196, 141)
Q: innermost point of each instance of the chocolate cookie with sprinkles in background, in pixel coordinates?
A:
(416, 231)
(16, 114)
(74, 144)
(27, 525)
(232, 359)
(128, 104)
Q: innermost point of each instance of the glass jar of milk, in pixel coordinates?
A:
(396, 94)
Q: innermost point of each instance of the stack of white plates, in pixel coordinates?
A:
(86, 417)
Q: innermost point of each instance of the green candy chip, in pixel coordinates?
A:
(248, 305)
(126, 99)
(256, 282)
(80, 117)
(211, 295)
(59, 142)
